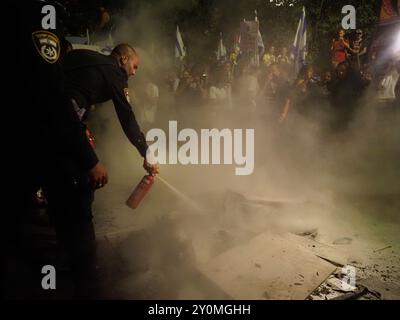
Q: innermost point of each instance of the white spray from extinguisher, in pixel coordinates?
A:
(181, 195)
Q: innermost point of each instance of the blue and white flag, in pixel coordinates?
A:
(260, 43)
(236, 46)
(221, 52)
(299, 50)
(180, 50)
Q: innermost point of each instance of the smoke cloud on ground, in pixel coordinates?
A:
(306, 177)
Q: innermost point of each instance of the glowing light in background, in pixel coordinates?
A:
(397, 44)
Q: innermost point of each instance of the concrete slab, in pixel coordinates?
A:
(268, 267)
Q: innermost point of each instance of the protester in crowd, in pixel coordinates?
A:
(167, 89)
(269, 57)
(387, 85)
(190, 96)
(347, 89)
(218, 96)
(150, 104)
(275, 86)
(235, 55)
(252, 87)
(339, 48)
(181, 87)
(320, 90)
(102, 26)
(283, 58)
(327, 82)
(299, 95)
(201, 85)
(358, 50)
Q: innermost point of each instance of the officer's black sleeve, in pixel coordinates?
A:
(128, 120)
(65, 132)
(72, 133)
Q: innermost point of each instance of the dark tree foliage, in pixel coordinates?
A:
(201, 21)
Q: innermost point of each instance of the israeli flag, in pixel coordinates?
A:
(180, 50)
(299, 49)
(260, 43)
(221, 52)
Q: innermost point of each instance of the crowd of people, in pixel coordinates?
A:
(273, 89)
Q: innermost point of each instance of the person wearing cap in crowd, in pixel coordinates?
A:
(269, 57)
(357, 49)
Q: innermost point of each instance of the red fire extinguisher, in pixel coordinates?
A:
(90, 138)
(140, 191)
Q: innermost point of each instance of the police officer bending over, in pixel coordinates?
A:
(92, 78)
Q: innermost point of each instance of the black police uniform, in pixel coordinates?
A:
(48, 145)
(92, 78)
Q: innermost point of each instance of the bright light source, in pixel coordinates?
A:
(397, 43)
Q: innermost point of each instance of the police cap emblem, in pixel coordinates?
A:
(47, 44)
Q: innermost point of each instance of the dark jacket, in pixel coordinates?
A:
(95, 78)
(50, 131)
